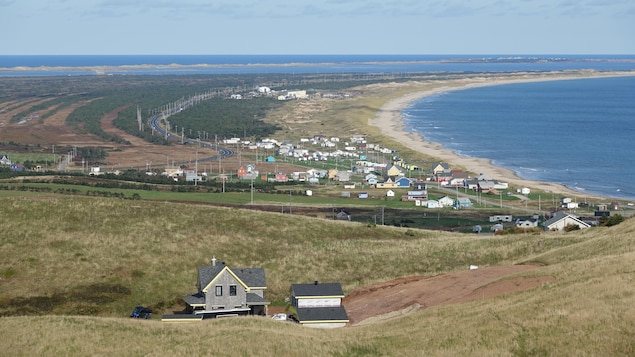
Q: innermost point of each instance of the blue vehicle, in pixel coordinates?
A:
(141, 312)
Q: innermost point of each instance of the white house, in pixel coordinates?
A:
(560, 220)
(390, 193)
(527, 223)
(432, 204)
(446, 201)
(4, 160)
(524, 191)
(500, 218)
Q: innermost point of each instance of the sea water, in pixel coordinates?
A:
(55, 65)
(580, 133)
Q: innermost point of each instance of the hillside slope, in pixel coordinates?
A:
(65, 257)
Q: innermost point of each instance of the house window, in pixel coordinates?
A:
(219, 290)
(232, 290)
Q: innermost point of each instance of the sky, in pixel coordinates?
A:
(188, 27)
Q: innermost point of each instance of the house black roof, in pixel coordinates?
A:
(207, 273)
(252, 277)
(560, 215)
(195, 299)
(316, 290)
(336, 313)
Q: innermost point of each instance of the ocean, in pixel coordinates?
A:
(579, 133)
(56, 65)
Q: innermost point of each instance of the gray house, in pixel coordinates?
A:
(228, 292)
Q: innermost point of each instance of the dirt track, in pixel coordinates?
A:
(396, 297)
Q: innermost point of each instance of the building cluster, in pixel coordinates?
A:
(226, 292)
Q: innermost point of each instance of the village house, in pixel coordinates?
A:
(192, 176)
(370, 177)
(318, 305)
(458, 178)
(444, 178)
(389, 183)
(500, 218)
(403, 182)
(432, 204)
(349, 185)
(342, 176)
(228, 292)
(440, 167)
(526, 223)
(415, 196)
(559, 220)
(393, 170)
(4, 160)
(471, 184)
(486, 187)
(446, 201)
(281, 177)
(463, 203)
(419, 186)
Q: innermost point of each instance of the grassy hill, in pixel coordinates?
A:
(72, 268)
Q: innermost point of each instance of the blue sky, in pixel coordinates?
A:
(317, 27)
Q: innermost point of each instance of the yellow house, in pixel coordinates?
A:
(394, 170)
(331, 174)
(440, 167)
(389, 183)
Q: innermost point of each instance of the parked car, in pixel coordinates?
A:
(141, 312)
(279, 317)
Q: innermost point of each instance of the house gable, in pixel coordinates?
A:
(220, 274)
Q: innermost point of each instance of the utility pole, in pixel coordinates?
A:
(382, 215)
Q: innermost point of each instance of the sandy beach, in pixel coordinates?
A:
(390, 121)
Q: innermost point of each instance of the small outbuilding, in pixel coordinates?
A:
(318, 305)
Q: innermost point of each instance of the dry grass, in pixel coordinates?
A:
(61, 257)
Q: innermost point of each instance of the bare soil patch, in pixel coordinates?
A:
(389, 299)
(52, 131)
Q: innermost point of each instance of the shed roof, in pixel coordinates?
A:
(322, 314)
(317, 290)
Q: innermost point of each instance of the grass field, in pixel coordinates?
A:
(72, 268)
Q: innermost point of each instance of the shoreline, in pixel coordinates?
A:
(390, 121)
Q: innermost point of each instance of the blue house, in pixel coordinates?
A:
(462, 203)
(270, 159)
(403, 182)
